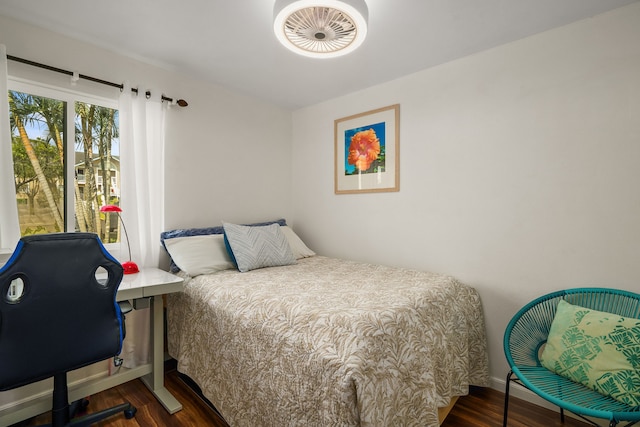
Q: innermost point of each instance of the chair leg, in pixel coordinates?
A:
(90, 419)
(61, 416)
(60, 410)
(506, 399)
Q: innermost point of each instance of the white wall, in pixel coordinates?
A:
(519, 170)
(230, 162)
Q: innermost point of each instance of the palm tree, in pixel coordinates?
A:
(84, 139)
(106, 131)
(53, 113)
(23, 109)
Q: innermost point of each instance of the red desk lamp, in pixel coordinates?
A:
(129, 267)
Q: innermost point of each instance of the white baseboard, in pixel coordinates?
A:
(516, 390)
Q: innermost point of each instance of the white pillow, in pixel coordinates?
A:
(299, 249)
(197, 255)
(258, 247)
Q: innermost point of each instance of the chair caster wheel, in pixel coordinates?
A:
(130, 413)
(84, 403)
(82, 408)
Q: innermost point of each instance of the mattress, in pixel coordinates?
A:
(329, 342)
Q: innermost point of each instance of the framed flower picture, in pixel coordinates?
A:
(367, 151)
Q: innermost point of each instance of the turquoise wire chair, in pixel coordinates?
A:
(527, 332)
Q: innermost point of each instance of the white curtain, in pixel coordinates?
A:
(142, 200)
(9, 224)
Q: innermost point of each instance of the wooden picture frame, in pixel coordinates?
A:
(366, 157)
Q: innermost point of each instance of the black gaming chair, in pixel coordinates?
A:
(58, 312)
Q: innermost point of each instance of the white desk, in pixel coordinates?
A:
(149, 283)
(153, 283)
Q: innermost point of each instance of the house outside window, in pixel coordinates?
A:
(66, 156)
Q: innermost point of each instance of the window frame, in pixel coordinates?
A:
(69, 96)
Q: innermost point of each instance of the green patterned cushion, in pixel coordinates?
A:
(600, 350)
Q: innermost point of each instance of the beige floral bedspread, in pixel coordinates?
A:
(329, 342)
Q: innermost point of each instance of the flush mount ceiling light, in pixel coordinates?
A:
(320, 28)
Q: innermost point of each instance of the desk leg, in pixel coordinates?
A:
(155, 380)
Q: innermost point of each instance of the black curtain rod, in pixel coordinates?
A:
(180, 102)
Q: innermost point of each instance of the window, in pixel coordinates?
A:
(61, 183)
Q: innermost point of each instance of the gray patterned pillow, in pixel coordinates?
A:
(258, 247)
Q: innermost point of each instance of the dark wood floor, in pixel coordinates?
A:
(194, 413)
(481, 408)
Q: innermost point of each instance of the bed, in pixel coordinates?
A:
(322, 341)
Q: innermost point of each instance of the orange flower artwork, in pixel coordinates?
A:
(364, 149)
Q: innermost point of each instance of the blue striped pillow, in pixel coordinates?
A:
(258, 247)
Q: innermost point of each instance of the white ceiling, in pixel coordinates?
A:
(231, 42)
